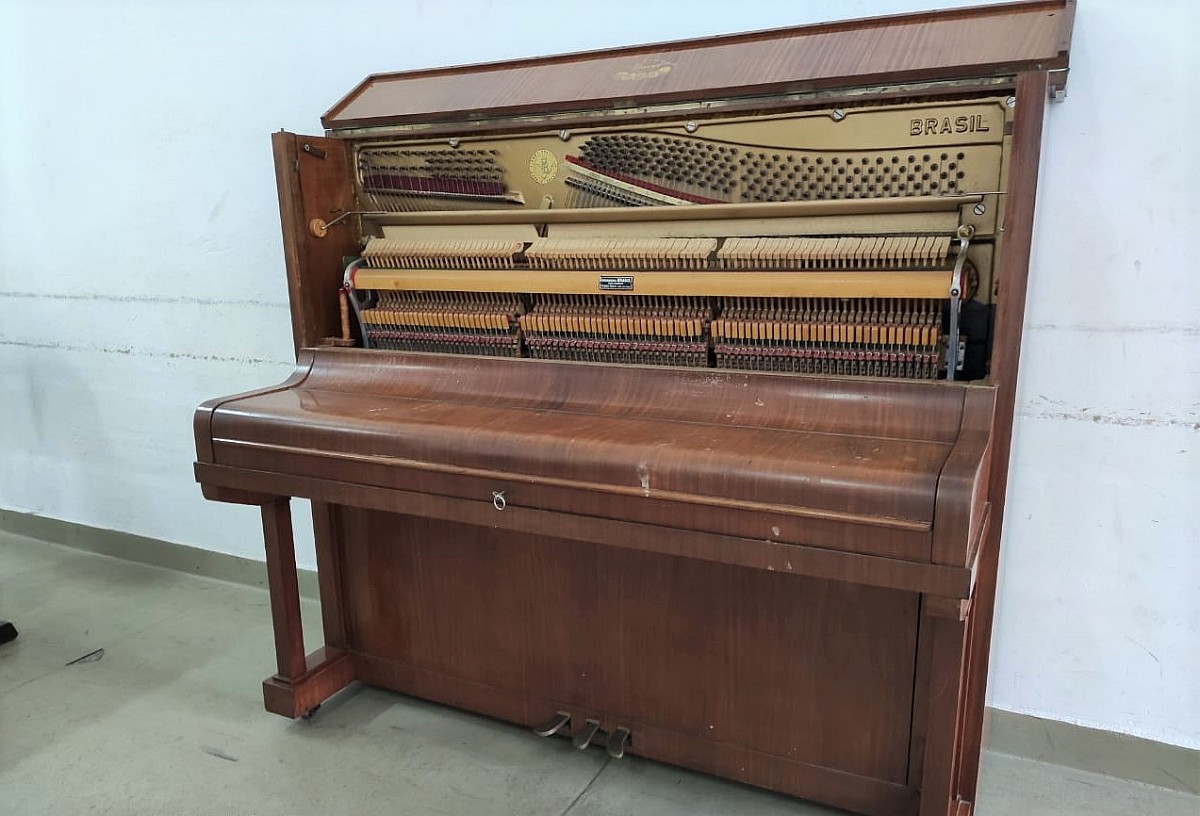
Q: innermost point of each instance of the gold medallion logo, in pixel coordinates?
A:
(543, 166)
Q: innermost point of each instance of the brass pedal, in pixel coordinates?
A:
(584, 738)
(617, 741)
(553, 726)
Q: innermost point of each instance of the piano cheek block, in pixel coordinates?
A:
(635, 412)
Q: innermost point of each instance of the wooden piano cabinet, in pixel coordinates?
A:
(800, 684)
(841, 691)
(775, 571)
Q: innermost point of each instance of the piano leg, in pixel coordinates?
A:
(947, 620)
(302, 682)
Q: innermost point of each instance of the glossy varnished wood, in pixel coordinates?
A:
(521, 626)
(792, 459)
(1014, 272)
(202, 418)
(784, 580)
(285, 594)
(964, 43)
(314, 180)
(238, 485)
(327, 530)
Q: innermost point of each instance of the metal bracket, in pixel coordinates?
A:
(352, 297)
(1057, 90)
(953, 358)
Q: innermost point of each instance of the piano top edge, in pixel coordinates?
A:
(984, 41)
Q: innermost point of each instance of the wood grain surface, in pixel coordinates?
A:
(726, 451)
(785, 580)
(638, 639)
(972, 42)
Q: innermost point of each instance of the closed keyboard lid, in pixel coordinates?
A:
(865, 451)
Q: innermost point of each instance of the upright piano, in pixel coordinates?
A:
(660, 398)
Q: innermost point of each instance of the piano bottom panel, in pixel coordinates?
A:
(759, 676)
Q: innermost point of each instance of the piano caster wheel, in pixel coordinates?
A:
(584, 738)
(553, 726)
(308, 715)
(617, 741)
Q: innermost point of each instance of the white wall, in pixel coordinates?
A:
(141, 272)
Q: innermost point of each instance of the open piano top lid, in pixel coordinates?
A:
(957, 44)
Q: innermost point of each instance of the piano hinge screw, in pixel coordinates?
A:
(979, 209)
(1011, 102)
(565, 135)
(691, 127)
(838, 114)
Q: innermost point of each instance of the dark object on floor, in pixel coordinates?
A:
(7, 632)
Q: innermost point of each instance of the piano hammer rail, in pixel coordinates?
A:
(864, 305)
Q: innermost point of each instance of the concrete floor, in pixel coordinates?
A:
(168, 718)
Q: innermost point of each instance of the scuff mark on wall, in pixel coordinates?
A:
(154, 299)
(148, 354)
(1142, 419)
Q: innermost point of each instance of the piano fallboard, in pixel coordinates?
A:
(857, 466)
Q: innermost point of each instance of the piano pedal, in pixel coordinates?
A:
(554, 725)
(617, 741)
(584, 738)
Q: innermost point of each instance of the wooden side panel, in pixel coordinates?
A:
(812, 671)
(962, 486)
(1014, 275)
(942, 744)
(315, 181)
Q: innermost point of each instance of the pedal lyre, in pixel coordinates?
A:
(553, 726)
